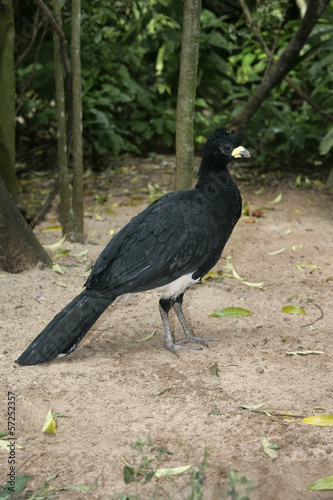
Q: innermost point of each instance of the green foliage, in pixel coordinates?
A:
(238, 487)
(130, 61)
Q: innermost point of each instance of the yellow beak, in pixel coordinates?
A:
(240, 152)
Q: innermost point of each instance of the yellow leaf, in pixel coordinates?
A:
(172, 472)
(236, 275)
(56, 244)
(111, 231)
(269, 451)
(326, 483)
(290, 309)
(5, 444)
(49, 424)
(259, 285)
(98, 217)
(276, 200)
(62, 284)
(275, 253)
(52, 229)
(322, 420)
(252, 407)
(84, 252)
(57, 269)
(296, 210)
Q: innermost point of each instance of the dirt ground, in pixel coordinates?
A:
(113, 388)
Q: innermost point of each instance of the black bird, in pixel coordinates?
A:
(173, 243)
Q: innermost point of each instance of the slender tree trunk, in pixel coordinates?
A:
(65, 202)
(19, 247)
(77, 120)
(7, 103)
(186, 94)
(282, 66)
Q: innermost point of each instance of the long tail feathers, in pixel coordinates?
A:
(66, 329)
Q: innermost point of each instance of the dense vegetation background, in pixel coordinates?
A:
(130, 63)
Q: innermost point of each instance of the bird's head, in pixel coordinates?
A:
(225, 145)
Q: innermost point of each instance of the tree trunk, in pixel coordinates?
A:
(7, 103)
(66, 218)
(77, 121)
(282, 66)
(19, 248)
(186, 94)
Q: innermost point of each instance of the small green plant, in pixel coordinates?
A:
(238, 487)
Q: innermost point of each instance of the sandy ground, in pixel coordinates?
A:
(110, 384)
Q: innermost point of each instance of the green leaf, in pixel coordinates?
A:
(320, 420)
(293, 310)
(326, 483)
(3, 434)
(231, 312)
(20, 484)
(82, 487)
(129, 474)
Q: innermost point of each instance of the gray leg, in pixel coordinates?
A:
(189, 335)
(165, 306)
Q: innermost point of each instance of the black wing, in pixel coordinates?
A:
(176, 235)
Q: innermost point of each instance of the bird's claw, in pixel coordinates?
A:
(174, 348)
(197, 340)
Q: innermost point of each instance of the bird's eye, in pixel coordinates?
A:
(227, 148)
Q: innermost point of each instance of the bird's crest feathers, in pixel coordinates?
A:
(223, 133)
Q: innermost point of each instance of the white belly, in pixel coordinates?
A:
(178, 286)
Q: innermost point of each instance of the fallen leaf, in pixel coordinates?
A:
(258, 213)
(305, 352)
(252, 407)
(250, 221)
(268, 450)
(5, 444)
(326, 483)
(49, 424)
(321, 420)
(290, 309)
(246, 208)
(275, 253)
(62, 284)
(296, 210)
(259, 285)
(57, 269)
(146, 338)
(52, 229)
(214, 369)
(162, 391)
(84, 252)
(56, 244)
(259, 191)
(276, 200)
(171, 472)
(231, 312)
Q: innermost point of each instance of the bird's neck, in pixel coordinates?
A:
(212, 170)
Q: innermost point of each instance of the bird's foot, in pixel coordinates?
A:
(196, 340)
(174, 348)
